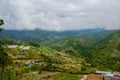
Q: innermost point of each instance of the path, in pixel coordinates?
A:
(93, 77)
(84, 77)
(90, 77)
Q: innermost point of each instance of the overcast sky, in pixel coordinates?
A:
(60, 14)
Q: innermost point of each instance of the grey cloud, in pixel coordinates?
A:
(60, 14)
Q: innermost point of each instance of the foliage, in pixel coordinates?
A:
(72, 53)
(9, 74)
(105, 54)
(1, 22)
(5, 60)
(49, 37)
(65, 77)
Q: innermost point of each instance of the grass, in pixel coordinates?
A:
(62, 76)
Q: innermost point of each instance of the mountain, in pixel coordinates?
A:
(66, 52)
(106, 53)
(45, 59)
(84, 31)
(110, 44)
(29, 35)
(100, 48)
(48, 37)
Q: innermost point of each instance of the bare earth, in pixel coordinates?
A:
(91, 77)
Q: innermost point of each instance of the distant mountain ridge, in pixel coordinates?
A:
(43, 36)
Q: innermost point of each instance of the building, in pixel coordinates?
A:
(107, 76)
(111, 77)
(12, 46)
(103, 72)
(24, 47)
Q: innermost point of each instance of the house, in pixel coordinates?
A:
(111, 77)
(107, 76)
(103, 72)
(12, 46)
(24, 47)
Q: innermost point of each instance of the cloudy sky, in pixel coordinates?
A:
(60, 14)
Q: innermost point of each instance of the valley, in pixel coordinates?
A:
(74, 55)
(59, 39)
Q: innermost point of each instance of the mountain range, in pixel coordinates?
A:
(47, 37)
(100, 48)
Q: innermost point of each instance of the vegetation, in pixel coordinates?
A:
(65, 77)
(105, 54)
(1, 23)
(47, 38)
(71, 53)
(5, 61)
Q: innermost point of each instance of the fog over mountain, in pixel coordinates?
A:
(60, 14)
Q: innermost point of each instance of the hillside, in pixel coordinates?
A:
(45, 58)
(42, 62)
(49, 37)
(69, 54)
(106, 53)
(110, 44)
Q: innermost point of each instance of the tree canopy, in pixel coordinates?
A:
(5, 60)
(1, 22)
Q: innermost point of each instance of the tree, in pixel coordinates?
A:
(1, 23)
(5, 60)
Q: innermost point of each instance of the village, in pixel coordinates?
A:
(98, 75)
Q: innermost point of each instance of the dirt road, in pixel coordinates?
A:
(91, 77)
(84, 77)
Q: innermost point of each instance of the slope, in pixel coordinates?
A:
(106, 53)
(49, 37)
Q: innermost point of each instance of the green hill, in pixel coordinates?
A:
(106, 53)
(45, 59)
(66, 52)
(49, 37)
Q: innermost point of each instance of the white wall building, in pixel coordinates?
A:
(12, 46)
